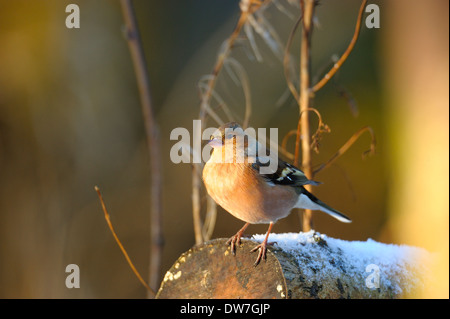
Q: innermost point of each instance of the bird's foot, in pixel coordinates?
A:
(262, 252)
(234, 241)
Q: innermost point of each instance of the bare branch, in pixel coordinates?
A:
(347, 52)
(153, 139)
(108, 221)
(304, 100)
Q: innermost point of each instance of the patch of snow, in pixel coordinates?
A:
(398, 268)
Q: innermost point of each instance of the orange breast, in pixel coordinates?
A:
(238, 189)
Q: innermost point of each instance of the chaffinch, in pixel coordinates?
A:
(233, 178)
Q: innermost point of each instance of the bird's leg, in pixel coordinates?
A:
(262, 247)
(236, 239)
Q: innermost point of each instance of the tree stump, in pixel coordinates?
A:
(319, 267)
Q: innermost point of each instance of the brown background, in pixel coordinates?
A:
(70, 119)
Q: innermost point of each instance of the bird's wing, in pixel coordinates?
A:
(286, 174)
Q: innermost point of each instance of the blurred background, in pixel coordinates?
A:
(70, 118)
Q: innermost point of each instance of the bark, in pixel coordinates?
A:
(210, 270)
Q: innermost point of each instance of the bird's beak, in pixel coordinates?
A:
(215, 142)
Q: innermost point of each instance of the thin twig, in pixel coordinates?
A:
(210, 218)
(287, 58)
(321, 128)
(286, 138)
(297, 141)
(153, 139)
(243, 80)
(196, 187)
(351, 102)
(108, 221)
(347, 145)
(204, 107)
(347, 52)
(221, 102)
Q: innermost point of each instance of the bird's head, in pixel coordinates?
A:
(225, 134)
(230, 143)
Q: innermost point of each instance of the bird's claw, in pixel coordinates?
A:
(262, 253)
(233, 241)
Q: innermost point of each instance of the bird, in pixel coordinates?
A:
(232, 177)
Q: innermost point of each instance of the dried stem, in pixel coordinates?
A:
(210, 219)
(286, 138)
(245, 83)
(196, 187)
(304, 101)
(153, 139)
(347, 145)
(108, 221)
(344, 56)
(204, 108)
(306, 93)
(287, 57)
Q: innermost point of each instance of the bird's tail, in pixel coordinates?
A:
(309, 201)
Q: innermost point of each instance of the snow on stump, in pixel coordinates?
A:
(298, 266)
